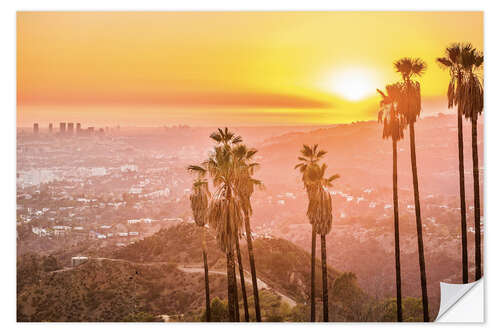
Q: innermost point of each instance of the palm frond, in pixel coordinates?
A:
(332, 178)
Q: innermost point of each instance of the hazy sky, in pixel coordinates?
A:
(236, 68)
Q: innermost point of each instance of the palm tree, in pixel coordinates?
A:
(320, 215)
(242, 169)
(245, 187)
(410, 107)
(393, 128)
(232, 143)
(472, 93)
(453, 62)
(199, 205)
(224, 215)
(309, 159)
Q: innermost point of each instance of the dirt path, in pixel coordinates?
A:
(191, 269)
(260, 284)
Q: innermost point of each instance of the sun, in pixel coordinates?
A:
(353, 84)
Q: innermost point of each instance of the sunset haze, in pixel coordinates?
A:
(201, 69)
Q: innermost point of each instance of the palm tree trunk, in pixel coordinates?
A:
(396, 228)
(207, 286)
(421, 257)
(236, 300)
(477, 207)
(232, 295)
(463, 217)
(252, 267)
(325, 278)
(230, 286)
(242, 281)
(313, 277)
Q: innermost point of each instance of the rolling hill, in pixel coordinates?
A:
(149, 277)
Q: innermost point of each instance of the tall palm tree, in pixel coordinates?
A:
(243, 182)
(199, 205)
(232, 143)
(452, 61)
(410, 107)
(393, 128)
(320, 215)
(473, 93)
(245, 187)
(224, 215)
(310, 156)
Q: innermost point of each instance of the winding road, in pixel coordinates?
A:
(260, 284)
(195, 270)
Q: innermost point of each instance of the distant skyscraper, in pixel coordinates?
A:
(35, 128)
(71, 127)
(62, 128)
(50, 128)
(78, 127)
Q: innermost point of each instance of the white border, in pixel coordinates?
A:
(8, 168)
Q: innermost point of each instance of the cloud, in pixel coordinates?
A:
(192, 99)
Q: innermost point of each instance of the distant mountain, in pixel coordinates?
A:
(359, 154)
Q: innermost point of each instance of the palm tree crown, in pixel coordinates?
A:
(311, 155)
(465, 89)
(409, 67)
(394, 123)
(410, 103)
(224, 215)
(225, 137)
(245, 183)
(319, 210)
(199, 201)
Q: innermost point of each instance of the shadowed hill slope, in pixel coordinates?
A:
(149, 277)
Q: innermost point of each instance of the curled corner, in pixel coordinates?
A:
(451, 294)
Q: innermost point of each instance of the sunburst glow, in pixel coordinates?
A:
(354, 84)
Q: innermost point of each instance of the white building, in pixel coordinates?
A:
(97, 172)
(135, 190)
(75, 261)
(128, 168)
(41, 232)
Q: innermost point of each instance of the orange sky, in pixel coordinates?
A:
(233, 68)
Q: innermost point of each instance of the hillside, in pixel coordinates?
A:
(106, 290)
(363, 159)
(286, 267)
(179, 244)
(280, 263)
(111, 289)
